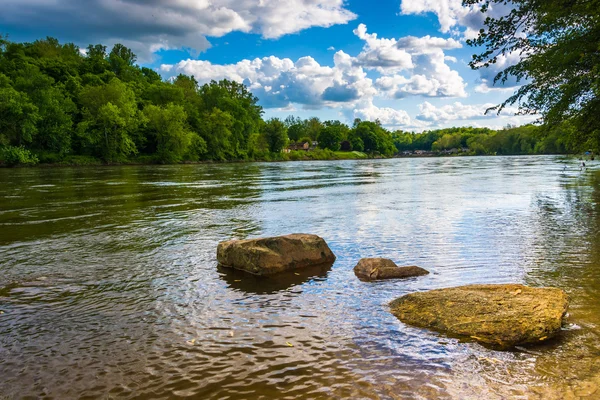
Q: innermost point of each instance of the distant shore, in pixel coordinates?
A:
(334, 156)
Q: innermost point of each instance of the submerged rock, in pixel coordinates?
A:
(503, 315)
(373, 269)
(271, 255)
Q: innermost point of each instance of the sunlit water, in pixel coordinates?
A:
(109, 286)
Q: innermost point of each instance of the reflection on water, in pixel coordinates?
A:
(110, 286)
(245, 282)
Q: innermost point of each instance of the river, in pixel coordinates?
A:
(109, 286)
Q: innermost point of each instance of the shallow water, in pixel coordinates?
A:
(109, 286)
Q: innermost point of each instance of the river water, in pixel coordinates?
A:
(109, 286)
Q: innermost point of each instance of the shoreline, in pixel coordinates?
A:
(213, 162)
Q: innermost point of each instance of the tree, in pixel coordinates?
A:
(557, 41)
(371, 137)
(95, 61)
(162, 93)
(168, 125)
(55, 109)
(275, 135)
(216, 132)
(235, 99)
(332, 135)
(110, 119)
(19, 116)
(121, 59)
(313, 128)
(297, 128)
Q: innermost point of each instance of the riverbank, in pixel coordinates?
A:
(82, 161)
(316, 155)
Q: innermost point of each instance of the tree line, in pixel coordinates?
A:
(59, 104)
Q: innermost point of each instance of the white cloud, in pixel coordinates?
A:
(422, 59)
(383, 54)
(280, 82)
(488, 74)
(432, 77)
(466, 22)
(452, 14)
(409, 66)
(149, 26)
(449, 12)
(458, 111)
(427, 44)
(386, 115)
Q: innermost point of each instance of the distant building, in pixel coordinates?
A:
(297, 147)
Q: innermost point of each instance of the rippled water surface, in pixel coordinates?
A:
(109, 286)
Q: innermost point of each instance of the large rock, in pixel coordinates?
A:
(373, 269)
(502, 315)
(268, 256)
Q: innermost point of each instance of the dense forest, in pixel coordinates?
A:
(62, 105)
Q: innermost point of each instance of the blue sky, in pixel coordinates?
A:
(403, 62)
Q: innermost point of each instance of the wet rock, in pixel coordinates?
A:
(501, 315)
(585, 389)
(373, 269)
(267, 256)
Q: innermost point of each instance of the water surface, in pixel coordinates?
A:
(109, 286)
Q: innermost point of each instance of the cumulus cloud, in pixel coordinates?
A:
(458, 111)
(421, 58)
(488, 74)
(386, 115)
(452, 14)
(466, 22)
(149, 26)
(280, 82)
(408, 66)
(383, 54)
(449, 12)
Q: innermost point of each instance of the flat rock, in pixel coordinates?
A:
(373, 269)
(267, 256)
(501, 315)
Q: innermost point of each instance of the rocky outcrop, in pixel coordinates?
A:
(502, 315)
(267, 256)
(373, 269)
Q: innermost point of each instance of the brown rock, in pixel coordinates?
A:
(271, 255)
(503, 315)
(585, 389)
(372, 269)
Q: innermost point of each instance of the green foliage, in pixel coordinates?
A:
(19, 117)
(332, 134)
(12, 156)
(110, 119)
(61, 106)
(527, 139)
(216, 132)
(557, 41)
(371, 137)
(275, 134)
(296, 128)
(168, 127)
